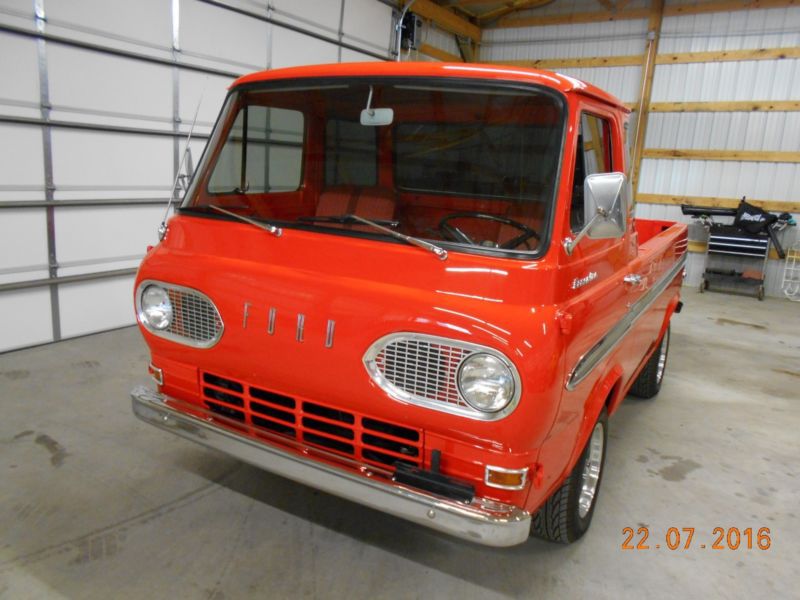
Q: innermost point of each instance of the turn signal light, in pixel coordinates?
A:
(506, 479)
(156, 373)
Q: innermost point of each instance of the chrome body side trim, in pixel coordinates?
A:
(301, 323)
(482, 521)
(271, 321)
(329, 333)
(608, 342)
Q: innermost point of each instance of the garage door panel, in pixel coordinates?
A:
(120, 19)
(25, 318)
(222, 34)
(367, 22)
(98, 164)
(351, 56)
(94, 234)
(319, 17)
(21, 156)
(95, 82)
(28, 250)
(207, 90)
(291, 49)
(92, 306)
(19, 69)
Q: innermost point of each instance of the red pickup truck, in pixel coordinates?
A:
(416, 286)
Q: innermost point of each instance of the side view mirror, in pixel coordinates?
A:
(605, 198)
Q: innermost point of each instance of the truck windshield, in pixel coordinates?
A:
(464, 165)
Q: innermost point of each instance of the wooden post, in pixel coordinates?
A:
(653, 35)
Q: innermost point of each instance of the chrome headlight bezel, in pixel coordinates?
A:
(173, 331)
(372, 362)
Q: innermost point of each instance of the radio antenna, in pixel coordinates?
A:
(162, 229)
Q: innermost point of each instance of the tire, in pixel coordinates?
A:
(567, 514)
(648, 383)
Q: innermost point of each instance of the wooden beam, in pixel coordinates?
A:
(741, 106)
(565, 63)
(726, 155)
(648, 71)
(573, 18)
(728, 55)
(715, 202)
(511, 6)
(626, 15)
(445, 19)
(726, 6)
(607, 4)
(438, 53)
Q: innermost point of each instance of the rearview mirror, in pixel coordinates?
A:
(605, 197)
(375, 117)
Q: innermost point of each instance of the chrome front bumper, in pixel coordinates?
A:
(482, 521)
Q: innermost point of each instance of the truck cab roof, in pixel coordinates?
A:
(562, 83)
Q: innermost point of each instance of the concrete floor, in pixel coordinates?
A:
(94, 504)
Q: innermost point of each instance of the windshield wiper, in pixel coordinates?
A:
(345, 219)
(276, 231)
(441, 253)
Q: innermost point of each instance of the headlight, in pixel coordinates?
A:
(156, 308)
(486, 382)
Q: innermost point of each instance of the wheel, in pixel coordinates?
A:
(648, 383)
(454, 234)
(567, 514)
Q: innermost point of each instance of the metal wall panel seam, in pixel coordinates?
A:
(49, 184)
(124, 202)
(176, 105)
(35, 283)
(341, 31)
(104, 128)
(57, 39)
(269, 36)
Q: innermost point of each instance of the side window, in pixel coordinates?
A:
(593, 156)
(351, 154)
(263, 153)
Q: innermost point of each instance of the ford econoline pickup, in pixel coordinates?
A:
(416, 286)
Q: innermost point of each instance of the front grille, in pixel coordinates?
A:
(360, 437)
(423, 368)
(194, 316)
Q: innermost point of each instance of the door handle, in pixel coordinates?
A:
(633, 279)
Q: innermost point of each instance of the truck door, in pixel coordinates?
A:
(599, 271)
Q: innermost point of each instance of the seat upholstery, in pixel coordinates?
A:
(368, 202)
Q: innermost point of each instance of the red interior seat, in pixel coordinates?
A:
(369, 202)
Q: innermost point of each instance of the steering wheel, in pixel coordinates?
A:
(456, 235)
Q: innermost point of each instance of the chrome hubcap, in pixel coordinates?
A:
(662, 357)
(591, 471)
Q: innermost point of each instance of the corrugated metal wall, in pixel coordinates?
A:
(122, 80)
(706, 81)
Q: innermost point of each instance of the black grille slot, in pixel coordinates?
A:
(385, 459)
(329, 413)
(389, 429)
(231, 413)
(272, 398)
(221, 382)
(272, 412)
(273, 426)
(324, 427)
(223, 396)
(386, 444)
(326, 442)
